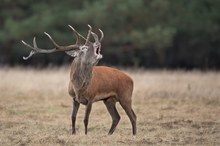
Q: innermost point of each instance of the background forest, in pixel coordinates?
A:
(170, 48)
(139, 33)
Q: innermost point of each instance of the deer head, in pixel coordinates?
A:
(89, 53)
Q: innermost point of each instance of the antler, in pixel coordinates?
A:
(36, 49)
(88, 35)
(68, 49)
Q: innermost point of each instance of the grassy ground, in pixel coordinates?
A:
(173, 108)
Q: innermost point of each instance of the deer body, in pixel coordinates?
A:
(105, 82)
(89, 83)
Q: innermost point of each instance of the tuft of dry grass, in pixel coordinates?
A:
(173, 108)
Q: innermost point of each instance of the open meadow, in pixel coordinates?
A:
(172, 108)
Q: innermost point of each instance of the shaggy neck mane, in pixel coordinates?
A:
(80, 75)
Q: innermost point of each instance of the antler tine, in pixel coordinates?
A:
(34, 48)
(77, 32)
(102, 35)
(34, 43)
(55, 44)
(95, 37)
(89, 33)
(58, 47)
(31, 54)
(29, 46)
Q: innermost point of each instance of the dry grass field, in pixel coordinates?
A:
(172, 107)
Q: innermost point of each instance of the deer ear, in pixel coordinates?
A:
(73, 53)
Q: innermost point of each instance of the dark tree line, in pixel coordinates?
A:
(146, 33)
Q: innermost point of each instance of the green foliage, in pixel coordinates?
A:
(166, 33)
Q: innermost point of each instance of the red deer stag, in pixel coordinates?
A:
(89, 83)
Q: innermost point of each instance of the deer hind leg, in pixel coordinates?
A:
(126, 105)
(87, 113)
(74, 113)
(110, 105)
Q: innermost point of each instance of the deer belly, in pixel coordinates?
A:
(102, 96)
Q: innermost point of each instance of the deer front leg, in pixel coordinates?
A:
(87, 113)
(74, 113)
